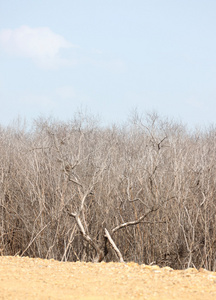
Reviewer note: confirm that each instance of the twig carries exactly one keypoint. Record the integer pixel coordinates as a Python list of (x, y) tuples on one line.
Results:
[(35, 238)]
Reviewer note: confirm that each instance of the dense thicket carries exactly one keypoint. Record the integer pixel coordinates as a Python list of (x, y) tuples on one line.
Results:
[(150, 172)]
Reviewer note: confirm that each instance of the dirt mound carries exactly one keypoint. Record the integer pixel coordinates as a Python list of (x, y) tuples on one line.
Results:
[(27, 278)]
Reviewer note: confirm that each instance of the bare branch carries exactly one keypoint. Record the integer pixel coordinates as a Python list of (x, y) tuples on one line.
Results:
[(30, 243), (100, 253), (74, 181), (117, 251), (159, 144), (135, 222)]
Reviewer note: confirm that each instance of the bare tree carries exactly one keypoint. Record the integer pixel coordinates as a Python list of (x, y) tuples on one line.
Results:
[(144, 191)]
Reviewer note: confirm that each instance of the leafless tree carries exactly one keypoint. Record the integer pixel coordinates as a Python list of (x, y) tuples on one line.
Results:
[(144, 191)]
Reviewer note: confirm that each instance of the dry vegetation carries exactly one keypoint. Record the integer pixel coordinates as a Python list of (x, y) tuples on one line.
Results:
[(142, 192)]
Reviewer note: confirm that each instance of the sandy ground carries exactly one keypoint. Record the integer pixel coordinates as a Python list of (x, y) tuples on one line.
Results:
[(27, 278)]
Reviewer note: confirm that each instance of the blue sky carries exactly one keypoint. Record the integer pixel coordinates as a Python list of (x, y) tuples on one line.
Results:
[(108, 57)]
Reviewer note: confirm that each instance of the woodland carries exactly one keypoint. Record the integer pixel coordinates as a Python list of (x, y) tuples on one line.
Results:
[(142, 191)]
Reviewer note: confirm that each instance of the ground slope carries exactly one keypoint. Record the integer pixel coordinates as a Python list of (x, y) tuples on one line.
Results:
[(26, 278)]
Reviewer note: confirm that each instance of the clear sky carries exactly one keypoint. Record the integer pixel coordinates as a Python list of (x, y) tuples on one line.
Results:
[(109, 57)]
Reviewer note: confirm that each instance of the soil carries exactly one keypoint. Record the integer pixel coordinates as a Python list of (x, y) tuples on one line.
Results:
[(34, 278)]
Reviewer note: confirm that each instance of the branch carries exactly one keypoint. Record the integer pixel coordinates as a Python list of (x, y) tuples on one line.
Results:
[(117, 251), (100, 253), (71, 180), (32, 241), (159, 144), (135, 222)]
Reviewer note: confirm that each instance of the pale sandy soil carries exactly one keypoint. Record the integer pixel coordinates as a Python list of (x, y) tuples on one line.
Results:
[(26, 278)]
